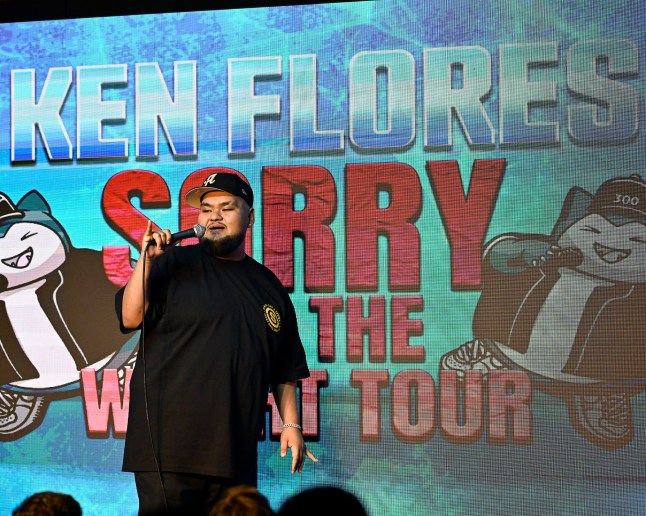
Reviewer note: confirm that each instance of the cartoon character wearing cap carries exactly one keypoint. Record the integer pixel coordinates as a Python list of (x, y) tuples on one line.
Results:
[(56, 314), (570, 309)]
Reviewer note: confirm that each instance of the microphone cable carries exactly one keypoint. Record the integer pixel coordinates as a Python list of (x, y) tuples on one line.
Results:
[(143, 363), (196, 231)]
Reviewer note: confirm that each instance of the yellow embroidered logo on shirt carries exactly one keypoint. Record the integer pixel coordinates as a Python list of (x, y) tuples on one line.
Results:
[(272, 317)]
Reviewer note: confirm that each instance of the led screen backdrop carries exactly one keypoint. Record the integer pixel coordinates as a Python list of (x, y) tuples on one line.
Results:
[(453, 193)]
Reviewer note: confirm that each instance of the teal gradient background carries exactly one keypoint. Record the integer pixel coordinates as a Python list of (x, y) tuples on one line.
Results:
[(558, 472)]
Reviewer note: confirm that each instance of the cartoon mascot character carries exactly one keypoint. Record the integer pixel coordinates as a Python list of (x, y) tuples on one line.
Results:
[(56, 315), (570, 309)]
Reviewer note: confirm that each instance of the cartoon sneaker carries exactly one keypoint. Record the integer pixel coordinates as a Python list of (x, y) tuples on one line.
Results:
[(605, 420), (19, 414), (473, 355), (130, 364)]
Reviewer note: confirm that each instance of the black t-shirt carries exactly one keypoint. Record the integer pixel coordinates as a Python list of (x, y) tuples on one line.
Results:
[(217, 333)]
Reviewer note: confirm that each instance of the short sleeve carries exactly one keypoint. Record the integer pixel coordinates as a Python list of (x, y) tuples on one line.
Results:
[(291, 362)]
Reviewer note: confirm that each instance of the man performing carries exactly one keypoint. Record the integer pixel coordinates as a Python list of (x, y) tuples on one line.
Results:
[(218, 330)]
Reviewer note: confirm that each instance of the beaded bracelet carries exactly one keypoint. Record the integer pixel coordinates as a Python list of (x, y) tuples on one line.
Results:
[(292, 425)]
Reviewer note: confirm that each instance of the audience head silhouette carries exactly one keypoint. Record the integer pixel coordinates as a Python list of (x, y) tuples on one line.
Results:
[(48, 503), (242, 500), (330, 500)]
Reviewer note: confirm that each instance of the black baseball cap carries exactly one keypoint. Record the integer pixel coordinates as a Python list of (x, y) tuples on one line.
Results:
[(621, 198), (7, 209), (220, 182)]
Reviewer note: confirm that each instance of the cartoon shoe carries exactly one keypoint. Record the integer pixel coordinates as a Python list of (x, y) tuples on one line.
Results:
[(19, 414), (605, 420), (130, 364), (473, 355)]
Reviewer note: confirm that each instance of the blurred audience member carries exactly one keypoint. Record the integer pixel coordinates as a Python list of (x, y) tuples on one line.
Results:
[(48, 503), (323, 500), (242, 500)]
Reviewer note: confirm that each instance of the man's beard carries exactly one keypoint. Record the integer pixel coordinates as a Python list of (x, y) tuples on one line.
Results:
[(226, 245)]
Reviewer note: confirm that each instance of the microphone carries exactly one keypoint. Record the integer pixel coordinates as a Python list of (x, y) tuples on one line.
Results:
[(196, 231), (570, 257)]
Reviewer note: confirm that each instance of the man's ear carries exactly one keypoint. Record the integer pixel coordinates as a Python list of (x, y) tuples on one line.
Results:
[(252, 217)]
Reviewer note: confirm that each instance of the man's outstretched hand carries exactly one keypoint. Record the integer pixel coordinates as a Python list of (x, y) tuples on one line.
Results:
[(291, 437)]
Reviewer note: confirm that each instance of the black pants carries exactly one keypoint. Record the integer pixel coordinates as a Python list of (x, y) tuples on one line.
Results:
[(180, 493)]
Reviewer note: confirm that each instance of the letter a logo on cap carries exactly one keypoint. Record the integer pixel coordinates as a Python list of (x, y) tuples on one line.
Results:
[(209, 180)]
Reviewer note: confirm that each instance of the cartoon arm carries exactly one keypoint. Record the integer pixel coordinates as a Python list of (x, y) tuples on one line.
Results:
[(513, 253)]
